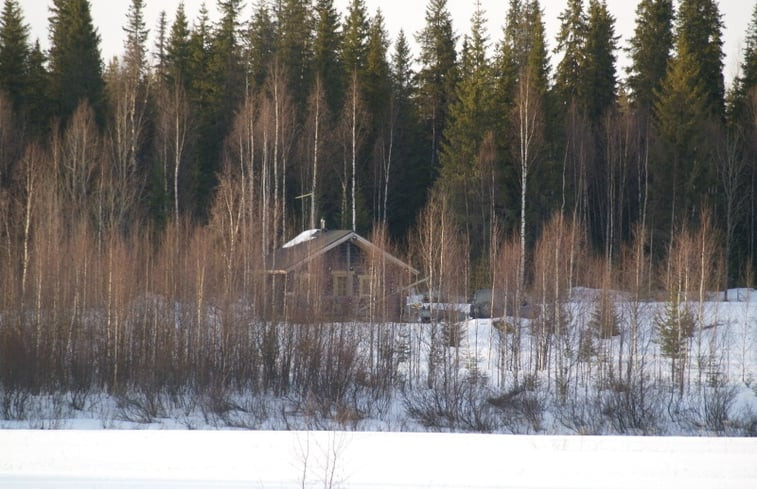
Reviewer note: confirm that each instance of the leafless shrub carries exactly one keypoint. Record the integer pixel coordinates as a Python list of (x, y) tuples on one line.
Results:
[(453, 405), (581, 414), (745, 423), (710, 410), (142, 406), (634, 408), (48, 411), (521, 410), (15, 404)]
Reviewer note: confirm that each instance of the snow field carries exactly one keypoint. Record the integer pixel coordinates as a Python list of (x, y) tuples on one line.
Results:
[(266, 459)]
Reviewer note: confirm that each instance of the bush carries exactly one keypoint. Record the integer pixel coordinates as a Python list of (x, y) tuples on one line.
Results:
[(634, 408), (521, 410), (461, 405)]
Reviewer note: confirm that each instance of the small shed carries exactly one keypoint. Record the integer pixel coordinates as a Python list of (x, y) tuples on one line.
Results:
[(337, 275)]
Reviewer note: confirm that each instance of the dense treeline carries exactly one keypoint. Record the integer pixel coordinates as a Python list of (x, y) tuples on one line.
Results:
[(313, 97), (139, 197)]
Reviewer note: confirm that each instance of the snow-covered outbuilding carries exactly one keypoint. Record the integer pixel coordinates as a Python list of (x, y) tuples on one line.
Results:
[(337, 275)]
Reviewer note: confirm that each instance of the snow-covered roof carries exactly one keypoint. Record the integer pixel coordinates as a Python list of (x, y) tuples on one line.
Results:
[(302, 238)]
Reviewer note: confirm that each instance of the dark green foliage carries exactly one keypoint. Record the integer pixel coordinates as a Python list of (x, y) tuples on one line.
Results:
[(14, 53), (651, 48), (471, 118), (293, 47), (674, 327), (605, 319), (76, 71), (682, 175), (326, 52), (407, 193), (437, 79), (135, 55), (571, 42), (355, 35), (452, 118), (261, 46), (599, 85), (37, 100), (744, 85), (160, 44), (178, 57), (699, 33)]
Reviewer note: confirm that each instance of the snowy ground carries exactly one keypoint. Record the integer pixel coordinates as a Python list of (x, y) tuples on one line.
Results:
[(264, 459)]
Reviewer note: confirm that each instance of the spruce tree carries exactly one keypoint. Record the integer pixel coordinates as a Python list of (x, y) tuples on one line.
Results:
[(437, 78), (598, 88), (294, 47), (326, 52), (14, 54), (571, 42), (699, 33), (680, 176), (135, 48), (744, 85), (407, 191), (748, 79), (355, 39), (471, 118), (261, 46), (651, 49), (76, 71), (177, 68), (160, 44), (37, 101), (377, 93)]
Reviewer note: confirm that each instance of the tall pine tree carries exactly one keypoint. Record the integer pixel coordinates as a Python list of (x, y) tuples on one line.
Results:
[(76, 71), (326, 52), (437, 79), (471, 118), (651, 49), (598, 88), (700, 33), (14, 54), (571, 42)]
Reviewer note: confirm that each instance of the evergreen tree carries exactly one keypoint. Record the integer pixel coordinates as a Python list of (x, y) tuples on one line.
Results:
[(748, 79), (217, 88), (76, 71), (135, 56), (294, 47), (14, 54), (743, 86), (355, 32), (160, 43), (38, 103), (326, 55), (679, 178), (202, 94), (178, 50), (511, 54), (261, 45), (598, 89), (437, 78), (651, 48), (377, 90), (471, 118), (571, 42), (377, 84), (407, 192), (699, 33)]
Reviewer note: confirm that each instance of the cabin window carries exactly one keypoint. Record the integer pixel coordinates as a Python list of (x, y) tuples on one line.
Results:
[(339, 280), (365, 285)]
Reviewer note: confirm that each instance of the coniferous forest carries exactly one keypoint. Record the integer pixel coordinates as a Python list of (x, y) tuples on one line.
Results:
[(140, 195)]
